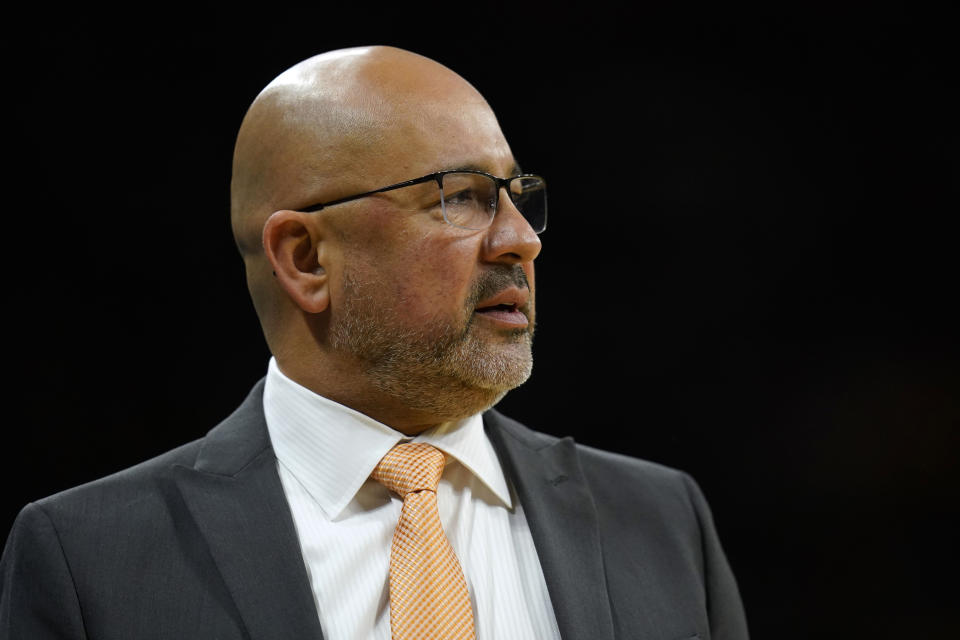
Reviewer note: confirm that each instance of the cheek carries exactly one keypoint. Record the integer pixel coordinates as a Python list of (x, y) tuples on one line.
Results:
[(433, 279), (418, 269)]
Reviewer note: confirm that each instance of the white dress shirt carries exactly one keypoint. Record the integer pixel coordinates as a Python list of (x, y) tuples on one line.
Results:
[(345, 521)]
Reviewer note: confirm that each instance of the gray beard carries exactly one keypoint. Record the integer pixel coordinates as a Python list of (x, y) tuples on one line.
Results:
[(444, 368)]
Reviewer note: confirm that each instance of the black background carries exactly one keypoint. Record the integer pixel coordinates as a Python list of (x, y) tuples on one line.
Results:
[(750, 271)]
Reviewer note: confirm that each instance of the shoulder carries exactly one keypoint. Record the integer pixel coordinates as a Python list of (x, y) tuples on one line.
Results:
[(590, 458), (81, 535), (147, 490), (614, 478), (118, 497)]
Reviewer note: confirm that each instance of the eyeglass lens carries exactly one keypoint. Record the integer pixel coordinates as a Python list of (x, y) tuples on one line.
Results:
[(470, 200)]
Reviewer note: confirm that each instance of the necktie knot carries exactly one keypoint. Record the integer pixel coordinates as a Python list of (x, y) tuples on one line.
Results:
[(409, 467)]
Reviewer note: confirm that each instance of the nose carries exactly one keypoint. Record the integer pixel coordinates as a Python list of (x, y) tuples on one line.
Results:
[(510, 238)]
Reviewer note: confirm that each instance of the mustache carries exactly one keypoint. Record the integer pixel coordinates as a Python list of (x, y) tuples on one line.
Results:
[(496, 280)]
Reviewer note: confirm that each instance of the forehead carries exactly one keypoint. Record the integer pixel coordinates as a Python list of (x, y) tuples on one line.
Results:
[(379, 118), (419, 137)]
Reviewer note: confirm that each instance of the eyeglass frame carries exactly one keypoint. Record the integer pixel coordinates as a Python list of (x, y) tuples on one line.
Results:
[(438, 176)]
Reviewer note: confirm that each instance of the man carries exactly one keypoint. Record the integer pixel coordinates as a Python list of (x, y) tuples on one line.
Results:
[(389, 240)]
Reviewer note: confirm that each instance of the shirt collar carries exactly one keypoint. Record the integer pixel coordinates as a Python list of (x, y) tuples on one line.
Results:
[(467, 442), (331, 449)]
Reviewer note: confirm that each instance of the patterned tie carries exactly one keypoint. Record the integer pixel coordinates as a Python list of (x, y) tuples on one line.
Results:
[(428, 593)]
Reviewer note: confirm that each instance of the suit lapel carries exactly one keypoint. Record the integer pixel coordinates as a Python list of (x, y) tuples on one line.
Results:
[(563, 522), (234, 494)]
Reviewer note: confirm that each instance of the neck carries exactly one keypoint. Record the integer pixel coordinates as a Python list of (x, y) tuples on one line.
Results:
[(343, 384)]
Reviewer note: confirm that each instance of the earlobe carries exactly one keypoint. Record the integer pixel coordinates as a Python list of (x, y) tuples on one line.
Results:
[(293, 246)]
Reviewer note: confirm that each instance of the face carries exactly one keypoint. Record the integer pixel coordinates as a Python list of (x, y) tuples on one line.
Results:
[(441, 318)]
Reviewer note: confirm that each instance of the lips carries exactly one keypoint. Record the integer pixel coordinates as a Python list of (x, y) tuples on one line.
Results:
[(508, 307)]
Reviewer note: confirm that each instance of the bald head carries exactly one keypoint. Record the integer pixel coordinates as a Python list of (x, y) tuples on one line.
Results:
[(371, 302), (321, 128)]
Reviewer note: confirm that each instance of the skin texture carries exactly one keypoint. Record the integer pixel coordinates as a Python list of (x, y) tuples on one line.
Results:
[(373, 303)]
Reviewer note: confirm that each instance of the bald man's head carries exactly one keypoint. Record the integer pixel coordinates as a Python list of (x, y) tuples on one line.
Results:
[(320, 127), (373, 301)]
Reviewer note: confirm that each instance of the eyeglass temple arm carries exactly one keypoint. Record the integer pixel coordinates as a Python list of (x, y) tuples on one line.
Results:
[(399, 185)]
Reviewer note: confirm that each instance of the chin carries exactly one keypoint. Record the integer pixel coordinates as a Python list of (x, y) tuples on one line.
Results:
[(496, 370), (462, 388)]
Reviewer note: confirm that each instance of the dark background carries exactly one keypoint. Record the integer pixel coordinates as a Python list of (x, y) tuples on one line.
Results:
[(750, 271)]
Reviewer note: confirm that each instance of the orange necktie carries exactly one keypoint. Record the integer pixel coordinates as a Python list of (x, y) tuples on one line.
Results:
[(428, 593)]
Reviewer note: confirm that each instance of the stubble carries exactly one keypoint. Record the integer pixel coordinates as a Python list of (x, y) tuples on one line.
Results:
[(449, 367)]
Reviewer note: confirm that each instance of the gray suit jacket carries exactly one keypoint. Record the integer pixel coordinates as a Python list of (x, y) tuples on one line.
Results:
[(200, 543)]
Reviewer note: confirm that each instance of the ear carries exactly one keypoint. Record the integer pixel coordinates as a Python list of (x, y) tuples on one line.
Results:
[(294, 247)]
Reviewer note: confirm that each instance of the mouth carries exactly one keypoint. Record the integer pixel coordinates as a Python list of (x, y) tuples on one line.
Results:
[(509, 308)]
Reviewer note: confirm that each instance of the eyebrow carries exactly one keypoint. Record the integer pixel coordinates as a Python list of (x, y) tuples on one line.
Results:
[(513, 172)]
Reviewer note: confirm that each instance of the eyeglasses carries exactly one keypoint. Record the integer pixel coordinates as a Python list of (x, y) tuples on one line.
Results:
[(469, 199)]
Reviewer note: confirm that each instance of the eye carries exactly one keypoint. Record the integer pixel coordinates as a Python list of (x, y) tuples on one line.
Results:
[(473, 194), (463, 197)]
